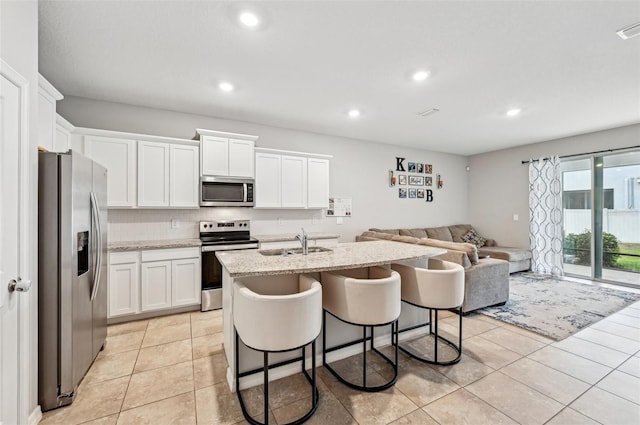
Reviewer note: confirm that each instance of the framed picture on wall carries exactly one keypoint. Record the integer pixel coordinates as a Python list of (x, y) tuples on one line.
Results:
[(428, 181), (402, 192), (428, 168), (412, 167), (416, 180), (413, 193), (420, 193), (402, 179), (420, 168)]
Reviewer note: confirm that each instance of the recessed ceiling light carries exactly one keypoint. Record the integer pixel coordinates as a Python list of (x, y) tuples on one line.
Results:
[(513, 112), (354, 113), (420, 75), (630, 31), (225, 86), (249, 19)]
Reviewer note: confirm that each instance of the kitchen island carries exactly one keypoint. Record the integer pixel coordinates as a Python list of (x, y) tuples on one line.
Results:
[(281, 271)]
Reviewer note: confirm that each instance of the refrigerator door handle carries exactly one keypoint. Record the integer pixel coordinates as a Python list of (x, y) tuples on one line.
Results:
[(95, 211)]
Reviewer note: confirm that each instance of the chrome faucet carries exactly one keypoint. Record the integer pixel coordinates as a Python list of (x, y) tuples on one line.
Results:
[(302, 237)]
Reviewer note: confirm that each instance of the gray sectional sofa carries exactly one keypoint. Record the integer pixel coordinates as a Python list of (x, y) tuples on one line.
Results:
[(486, 269)]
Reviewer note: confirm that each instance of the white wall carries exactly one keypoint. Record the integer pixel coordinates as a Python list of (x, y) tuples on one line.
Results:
[(19, 48), (358, 169), (499, 182)]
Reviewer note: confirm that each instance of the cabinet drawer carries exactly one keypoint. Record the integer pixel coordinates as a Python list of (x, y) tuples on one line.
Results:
[(170, 254), (123, 257)]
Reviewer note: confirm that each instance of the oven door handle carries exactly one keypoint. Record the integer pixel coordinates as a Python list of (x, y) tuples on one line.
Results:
[(212, 248)]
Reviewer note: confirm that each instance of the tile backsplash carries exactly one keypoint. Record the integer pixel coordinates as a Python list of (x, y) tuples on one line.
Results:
[(148, 224)]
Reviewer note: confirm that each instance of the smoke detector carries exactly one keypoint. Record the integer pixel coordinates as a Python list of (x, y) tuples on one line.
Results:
[(629, 32)]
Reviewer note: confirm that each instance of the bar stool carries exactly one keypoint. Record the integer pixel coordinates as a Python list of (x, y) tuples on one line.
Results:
[(439, 287), (367, 297), (277, 323)]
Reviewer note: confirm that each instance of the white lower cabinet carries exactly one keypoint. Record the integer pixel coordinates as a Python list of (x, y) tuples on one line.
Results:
[(158, 279), (156, 285), (185, 279), (124, 283)]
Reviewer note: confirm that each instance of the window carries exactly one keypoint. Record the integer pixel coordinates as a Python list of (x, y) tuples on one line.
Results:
[(581, 199)]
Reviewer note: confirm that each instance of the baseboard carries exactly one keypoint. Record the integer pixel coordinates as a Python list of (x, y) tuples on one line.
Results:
[(35, 416), (293, 368)]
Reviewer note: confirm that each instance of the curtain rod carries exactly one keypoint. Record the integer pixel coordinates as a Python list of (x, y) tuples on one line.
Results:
[(582, 154)]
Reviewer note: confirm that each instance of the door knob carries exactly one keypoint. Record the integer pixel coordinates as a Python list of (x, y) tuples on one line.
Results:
[(19, 285)]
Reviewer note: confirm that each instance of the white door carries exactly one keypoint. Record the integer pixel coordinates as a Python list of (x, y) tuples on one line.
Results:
[(153, 174), (215, 156), (155, 285), (241, 158), (124, 283), (318, 183), (294, 182), (268, 190), (12, 130), (185, 282), (118, 156), (184, 175)]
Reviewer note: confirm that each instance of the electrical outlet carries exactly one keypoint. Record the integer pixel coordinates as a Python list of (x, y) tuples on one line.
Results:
[(339, 220), (516, 217), (175, 223), (314, 221), (280, 220)]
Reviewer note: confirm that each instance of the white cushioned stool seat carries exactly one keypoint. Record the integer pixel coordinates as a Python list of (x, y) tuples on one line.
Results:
[(274, 323), (366, 297), (439, 287)]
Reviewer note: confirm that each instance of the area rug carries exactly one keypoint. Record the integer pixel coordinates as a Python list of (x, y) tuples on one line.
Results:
[(557, 307)]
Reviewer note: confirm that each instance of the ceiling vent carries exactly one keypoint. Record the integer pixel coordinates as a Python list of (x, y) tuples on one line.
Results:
[(428, 112), (630, 31)]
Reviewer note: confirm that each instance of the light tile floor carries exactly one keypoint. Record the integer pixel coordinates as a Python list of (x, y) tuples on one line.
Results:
[(171, 370)]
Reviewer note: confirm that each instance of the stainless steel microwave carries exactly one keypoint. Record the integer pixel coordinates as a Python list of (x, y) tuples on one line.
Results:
[(226, 192)]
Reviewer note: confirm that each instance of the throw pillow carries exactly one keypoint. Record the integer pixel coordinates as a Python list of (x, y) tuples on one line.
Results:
[(473, 237)]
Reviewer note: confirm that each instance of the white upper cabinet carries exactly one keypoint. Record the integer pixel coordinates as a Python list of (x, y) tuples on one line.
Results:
[(268, 189), (153, 174), (287, 179), (226, 154), (64, 138), (317, 183), (118, 156), (215, 156), (241, 154), (47, 98), (145, 171), (183, 176), (294, 182)]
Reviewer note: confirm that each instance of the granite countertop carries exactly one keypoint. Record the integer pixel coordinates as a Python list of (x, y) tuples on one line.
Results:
[(154, 244), (292, 237), (343, 256)]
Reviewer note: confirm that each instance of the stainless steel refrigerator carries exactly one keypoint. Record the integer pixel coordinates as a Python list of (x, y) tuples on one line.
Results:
[(72, 273)]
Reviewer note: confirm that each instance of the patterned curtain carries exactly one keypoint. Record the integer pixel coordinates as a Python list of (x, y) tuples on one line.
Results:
[(545, 216)]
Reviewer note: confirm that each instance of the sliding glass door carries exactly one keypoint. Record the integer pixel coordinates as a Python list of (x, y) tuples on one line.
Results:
[(601, 217)]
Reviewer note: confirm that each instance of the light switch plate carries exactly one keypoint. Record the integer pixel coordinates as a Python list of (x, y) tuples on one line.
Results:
[(516, 217), (175, 223)]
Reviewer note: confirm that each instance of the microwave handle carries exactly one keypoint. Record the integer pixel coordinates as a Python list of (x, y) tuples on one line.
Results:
[(246, 191)]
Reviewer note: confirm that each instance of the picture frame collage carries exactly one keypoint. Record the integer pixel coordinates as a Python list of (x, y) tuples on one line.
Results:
[(421, 179)]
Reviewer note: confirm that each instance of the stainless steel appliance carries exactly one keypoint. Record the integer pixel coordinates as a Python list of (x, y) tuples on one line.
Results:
[(72, 273), (226, 192), (220, 236)]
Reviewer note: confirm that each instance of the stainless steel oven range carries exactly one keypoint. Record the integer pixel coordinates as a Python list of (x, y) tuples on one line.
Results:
[(220, 236)]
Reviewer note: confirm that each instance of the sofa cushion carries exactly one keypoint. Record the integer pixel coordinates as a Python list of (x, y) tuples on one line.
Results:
[(416, 233), (390, 231), (473, 237), (506, 253), (405, 239), (440, 233), (458, 230), (466, 248), (378, 235)]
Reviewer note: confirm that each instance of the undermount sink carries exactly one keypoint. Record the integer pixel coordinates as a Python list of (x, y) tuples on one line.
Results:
[(291, 251)]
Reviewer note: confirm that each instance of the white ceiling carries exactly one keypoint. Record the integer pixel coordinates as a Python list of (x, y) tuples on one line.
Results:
[(561, 62)]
